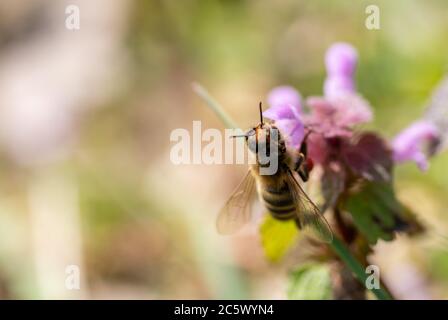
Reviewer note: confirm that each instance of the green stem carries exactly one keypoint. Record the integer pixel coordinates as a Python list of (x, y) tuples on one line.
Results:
[(214, 105), (342, 251), (357, 268)]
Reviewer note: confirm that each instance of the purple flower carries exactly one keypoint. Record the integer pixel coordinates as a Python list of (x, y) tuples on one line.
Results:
[(408, 145), (286, 96), (333, 115), (286, 109), (338, 85), (341, 59), (341, 107), (336, 116)]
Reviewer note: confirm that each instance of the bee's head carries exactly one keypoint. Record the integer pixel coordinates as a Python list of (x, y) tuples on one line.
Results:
[(263, 137)]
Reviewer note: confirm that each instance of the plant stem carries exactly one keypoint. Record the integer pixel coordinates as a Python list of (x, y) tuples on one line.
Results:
[(214, 105), (356, 267)]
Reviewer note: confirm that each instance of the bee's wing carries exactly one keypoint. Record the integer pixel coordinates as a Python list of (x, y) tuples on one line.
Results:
[(237, 210), (308, 214)]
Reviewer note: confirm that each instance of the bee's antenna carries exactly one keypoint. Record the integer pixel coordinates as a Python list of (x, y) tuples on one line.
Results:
[(261, 112), (310, 131)]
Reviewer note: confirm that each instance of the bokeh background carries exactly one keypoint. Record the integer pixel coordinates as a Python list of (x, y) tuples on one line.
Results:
[(85, 123)]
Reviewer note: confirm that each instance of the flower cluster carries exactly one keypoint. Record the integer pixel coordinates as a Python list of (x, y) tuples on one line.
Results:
[(333, 116), (356, 165)]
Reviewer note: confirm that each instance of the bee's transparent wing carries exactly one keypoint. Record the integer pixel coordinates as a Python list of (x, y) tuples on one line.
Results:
[(308, 214), (237, 210)]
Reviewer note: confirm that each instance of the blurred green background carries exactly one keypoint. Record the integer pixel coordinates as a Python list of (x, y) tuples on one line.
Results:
[(85, 173)]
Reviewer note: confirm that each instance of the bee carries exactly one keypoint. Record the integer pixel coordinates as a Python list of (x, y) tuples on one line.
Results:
[(280, 193)]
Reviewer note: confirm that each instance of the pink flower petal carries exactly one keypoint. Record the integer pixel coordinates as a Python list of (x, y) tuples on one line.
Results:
[(341, 59), (321, 108), (335, 85), (285, 96), (352, 109), (292, 131), (317, 148), (286, 111), (408, 145), (421, 161), (336, 116), (280, 112)]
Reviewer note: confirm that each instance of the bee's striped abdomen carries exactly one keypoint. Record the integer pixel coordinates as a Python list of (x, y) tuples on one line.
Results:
[(279, 202)]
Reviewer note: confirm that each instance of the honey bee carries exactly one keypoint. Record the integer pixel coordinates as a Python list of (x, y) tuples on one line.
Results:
[(280, 193)]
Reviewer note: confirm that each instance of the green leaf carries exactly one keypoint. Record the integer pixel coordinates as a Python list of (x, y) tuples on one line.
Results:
[(310, 282), (376, 211), (277, 237)]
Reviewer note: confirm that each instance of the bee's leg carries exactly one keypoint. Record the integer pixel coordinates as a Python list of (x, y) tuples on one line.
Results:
[(298, 223), (300, 160), (300, 167), (303, 173), (304, 149)]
